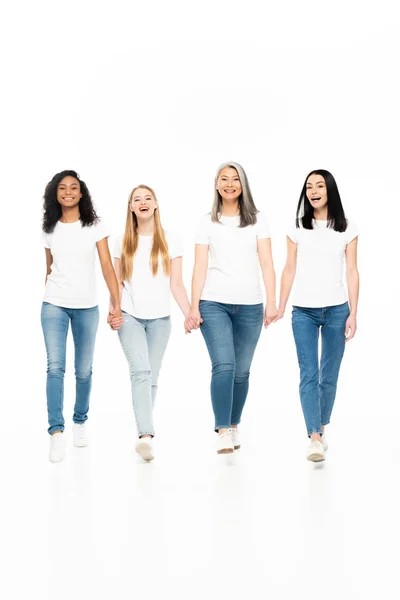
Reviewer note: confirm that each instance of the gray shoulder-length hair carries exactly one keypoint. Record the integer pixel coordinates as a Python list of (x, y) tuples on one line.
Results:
[(247, 208)]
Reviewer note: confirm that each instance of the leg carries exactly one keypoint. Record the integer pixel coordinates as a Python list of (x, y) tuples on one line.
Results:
[(247, 324), (333, 344), (158, 332), (84, 323), (132, 336), (55, 323), (305, 324), (217, 331)]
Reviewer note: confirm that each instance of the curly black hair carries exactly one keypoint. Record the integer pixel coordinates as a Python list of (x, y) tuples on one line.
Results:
[(52, 209)]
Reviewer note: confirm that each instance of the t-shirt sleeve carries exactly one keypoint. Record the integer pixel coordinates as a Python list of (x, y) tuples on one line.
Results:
[(101, 231), (262, 227), (292, 234), (175, 245), (352, 232), (203, 231), (45, 240), (117, 247)]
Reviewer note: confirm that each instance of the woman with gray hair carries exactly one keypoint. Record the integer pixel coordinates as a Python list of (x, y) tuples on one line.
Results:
[(227, 301)]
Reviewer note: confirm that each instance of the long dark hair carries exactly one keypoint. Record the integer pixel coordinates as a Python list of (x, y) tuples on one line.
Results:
[(52, 209), (305, 212)]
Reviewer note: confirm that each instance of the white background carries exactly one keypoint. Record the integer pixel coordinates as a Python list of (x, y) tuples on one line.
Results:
[(161, 94)]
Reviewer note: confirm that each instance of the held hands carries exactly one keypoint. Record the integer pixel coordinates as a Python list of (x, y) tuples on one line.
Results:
[(193, 320), (351, 328), (115, 318), (271, 314)]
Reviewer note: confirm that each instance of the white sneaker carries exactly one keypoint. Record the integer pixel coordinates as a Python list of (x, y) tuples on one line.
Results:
[(80, 435), (225, 442), (57, 448), (235, 438), (145, 448), (324, 442), (315, 452)]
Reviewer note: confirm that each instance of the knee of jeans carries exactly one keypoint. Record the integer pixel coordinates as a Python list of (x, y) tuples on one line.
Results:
[(242, 377), (83, 376), (55, 368), (140, 376), (309, 379), (218, 368)]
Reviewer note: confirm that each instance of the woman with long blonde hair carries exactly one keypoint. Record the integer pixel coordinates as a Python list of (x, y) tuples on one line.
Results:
[(148, 263)]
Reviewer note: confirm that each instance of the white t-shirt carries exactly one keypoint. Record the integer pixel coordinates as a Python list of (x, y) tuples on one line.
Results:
[(147, 296), (320, 260), (72, 281), (233, 272)]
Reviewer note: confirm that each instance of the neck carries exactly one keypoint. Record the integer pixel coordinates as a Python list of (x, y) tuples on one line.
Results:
[(146, 228), (230, 208), (70, 215), (321, 214)]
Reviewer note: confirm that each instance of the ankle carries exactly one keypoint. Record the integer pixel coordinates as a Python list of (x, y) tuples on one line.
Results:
[(222, 431)]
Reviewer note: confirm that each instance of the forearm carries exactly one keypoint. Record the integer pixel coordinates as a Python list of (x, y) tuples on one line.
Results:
[(113, 286), (198, 281), (353, 287), (286, 286), (181, 298), (270, 283)]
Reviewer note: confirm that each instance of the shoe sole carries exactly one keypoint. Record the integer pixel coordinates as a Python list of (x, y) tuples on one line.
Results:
[(57, 460), (225, 451), (144, 452), (316, 458), (81, 444), (236, 447)]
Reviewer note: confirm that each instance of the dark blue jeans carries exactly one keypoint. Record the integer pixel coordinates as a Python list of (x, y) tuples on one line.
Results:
[(231, 332), (318, 379), (55, 324)]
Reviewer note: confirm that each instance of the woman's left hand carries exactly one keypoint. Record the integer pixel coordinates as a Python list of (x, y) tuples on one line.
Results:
[(351, 328), (115, 319), (270, 314)]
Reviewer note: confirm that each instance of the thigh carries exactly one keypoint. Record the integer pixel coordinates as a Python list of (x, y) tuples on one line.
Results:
[(158, 332), (333, 333), (247, 324), (132, 335), (84, 323), (305, 326), (55, 323), (217, 331)]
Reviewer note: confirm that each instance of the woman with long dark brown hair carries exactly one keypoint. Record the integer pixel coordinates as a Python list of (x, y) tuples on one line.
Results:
[(148, 263)]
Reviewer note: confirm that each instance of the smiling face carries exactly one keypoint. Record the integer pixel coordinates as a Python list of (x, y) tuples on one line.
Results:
[(143, 204), (228, 184), (316, 191), (69, 192)]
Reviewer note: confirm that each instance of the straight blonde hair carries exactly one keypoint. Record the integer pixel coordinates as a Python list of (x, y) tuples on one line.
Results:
[(130, 241), (247, 208)]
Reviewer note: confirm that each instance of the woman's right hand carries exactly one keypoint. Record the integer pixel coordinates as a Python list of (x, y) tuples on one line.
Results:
[(281, 312), (115, 318), (193, 320)]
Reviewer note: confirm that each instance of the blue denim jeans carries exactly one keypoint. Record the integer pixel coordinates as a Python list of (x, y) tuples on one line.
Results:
[(231, 332), (144, 342), (318, 379), (55, 324)]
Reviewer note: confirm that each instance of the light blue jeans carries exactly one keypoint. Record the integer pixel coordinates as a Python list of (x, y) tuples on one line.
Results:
[(55, 324), (144, 342), (318, 379)]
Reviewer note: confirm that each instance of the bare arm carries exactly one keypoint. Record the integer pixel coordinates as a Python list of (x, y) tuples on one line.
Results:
[(109, 274), (264, 250), (199, 274), (353, 286), (287, 278), (178, 289), (49, 262)]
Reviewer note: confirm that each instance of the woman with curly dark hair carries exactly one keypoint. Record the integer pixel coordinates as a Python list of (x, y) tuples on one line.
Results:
[(71, 234)]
